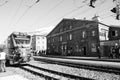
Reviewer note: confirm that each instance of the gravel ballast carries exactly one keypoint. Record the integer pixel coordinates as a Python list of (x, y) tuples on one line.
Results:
[(77, 71)]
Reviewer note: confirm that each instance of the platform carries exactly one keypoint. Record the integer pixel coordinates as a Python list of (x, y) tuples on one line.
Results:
[(13, 77)]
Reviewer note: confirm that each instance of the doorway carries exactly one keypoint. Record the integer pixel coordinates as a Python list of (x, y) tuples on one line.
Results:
[(84, 51)]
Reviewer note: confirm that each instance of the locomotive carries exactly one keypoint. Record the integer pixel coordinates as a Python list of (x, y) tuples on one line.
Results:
[(18, 48)]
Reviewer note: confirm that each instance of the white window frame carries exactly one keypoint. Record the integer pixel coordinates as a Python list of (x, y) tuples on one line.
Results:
[(70, 36), (83, 34)]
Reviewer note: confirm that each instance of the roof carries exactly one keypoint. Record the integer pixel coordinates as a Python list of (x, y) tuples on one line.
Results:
[(118, 26), (40, 35), (65, 19)]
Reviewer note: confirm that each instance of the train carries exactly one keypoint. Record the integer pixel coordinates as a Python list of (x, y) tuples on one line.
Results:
[(18, 48)]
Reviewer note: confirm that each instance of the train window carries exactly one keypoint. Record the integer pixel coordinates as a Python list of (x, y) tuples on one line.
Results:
[(22, 41)]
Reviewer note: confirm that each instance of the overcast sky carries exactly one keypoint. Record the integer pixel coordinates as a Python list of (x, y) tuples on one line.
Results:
[(30, 16)]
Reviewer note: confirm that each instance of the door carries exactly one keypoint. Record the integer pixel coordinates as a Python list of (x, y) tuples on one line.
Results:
[(84, 51)]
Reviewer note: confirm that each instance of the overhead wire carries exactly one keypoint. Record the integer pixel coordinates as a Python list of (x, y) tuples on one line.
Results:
[(13, 17), (107, 16), (99, 7), (65, 14), (105, 11), (3, 3), (18, 8), (58, 17), (69, 13), (86, 10), (98, 11), (29, 7), (54, 7)]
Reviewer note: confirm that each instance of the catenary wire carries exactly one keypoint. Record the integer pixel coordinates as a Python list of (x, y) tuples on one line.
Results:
[(64, 15), (29, 7), (3, 3), (49, 11), (13, 17)]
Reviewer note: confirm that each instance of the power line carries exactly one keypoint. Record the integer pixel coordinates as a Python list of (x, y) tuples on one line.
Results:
[(98, 6), (65, 14), (3, 3), (70, 13), (13, 17), (25, 12), (49, 11), (107, 16), (86, 10), (18, 8)]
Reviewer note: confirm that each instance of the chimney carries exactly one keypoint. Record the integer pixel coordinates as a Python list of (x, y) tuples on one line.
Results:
[(96, 18), (84, 18)]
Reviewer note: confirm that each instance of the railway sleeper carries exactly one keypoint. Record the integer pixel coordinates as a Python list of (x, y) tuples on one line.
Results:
[(53, 74)]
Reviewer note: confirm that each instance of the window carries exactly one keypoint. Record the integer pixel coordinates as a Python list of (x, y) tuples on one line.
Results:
[(38, 37), (93, 33), (53, 39), (42, 37), (48, 41), (60, 29), (64, 28), (70, 36), (60, 38), (115, 33), (70, 27), (93, 47), (38, 42), (83, 34)]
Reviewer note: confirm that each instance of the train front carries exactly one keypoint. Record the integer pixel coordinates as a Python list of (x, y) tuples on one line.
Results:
[(22, 50)]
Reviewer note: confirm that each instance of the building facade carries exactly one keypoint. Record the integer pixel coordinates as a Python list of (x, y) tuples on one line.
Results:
[(114, 39), (39, 43), (76, 37)]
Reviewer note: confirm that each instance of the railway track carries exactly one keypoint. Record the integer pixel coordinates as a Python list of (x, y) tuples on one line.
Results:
[(83, 66), (85, 58), (50, 74)]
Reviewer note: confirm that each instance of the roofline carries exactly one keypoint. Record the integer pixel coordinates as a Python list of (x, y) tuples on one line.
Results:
[(39, 35), (118, 26), (77, 20)]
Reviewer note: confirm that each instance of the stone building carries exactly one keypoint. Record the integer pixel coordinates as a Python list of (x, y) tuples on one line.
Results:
[(77, 37)]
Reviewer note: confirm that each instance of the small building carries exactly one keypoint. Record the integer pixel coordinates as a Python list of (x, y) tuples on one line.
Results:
[(77, 37), (114, 33), (39, 43), (114, 39)]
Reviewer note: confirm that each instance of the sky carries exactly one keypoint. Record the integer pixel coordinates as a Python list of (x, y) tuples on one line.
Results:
[(44, 15)]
